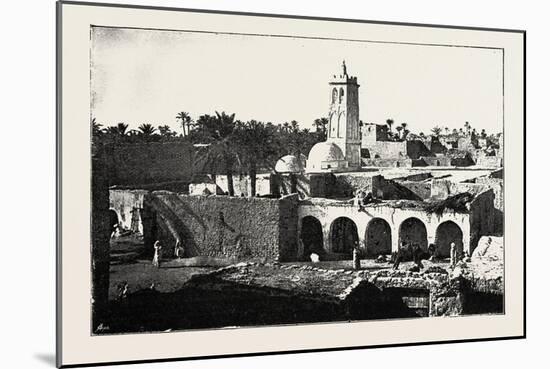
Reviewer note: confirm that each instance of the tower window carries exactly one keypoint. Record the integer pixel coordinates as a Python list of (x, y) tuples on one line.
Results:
[(334, 95), (341, 94)]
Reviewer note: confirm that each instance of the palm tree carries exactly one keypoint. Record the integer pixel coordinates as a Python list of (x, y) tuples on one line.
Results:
[(286, 127), (166, 132), (294, 126), (185, 121), (218, 134), (96, 128), (398, 129), (147, 130), (389, 122), (436, 131), (255, 145), (467, 127), (404, 126)]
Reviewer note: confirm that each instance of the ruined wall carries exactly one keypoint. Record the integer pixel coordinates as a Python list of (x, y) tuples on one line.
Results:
[(497, 185), (223, 226), (482, 219), (397, 163), (388, 150), (154, 162), (241, 184), (421, 189), (321, 184), (437, 161), (489, 161), (416, 149)]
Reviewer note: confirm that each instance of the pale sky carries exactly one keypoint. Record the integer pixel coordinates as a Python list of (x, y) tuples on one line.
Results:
[(148, 76)]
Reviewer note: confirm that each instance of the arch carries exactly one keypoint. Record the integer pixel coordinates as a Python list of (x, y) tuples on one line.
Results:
[(311, 234), (334, 95), (343, 236), (446, 233), (341, 95), (378, 237), (413, 230)]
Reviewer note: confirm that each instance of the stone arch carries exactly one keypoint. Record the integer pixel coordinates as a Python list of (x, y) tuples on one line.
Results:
[(342, 124), (343, 236), (412, 230), (334, 95), (378, 237), (311, 235), (446, 233)]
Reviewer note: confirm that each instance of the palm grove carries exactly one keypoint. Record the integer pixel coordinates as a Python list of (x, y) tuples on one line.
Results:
[(225, 145)]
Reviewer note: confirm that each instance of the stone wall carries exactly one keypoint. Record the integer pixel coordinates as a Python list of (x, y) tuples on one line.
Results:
[(136, 164), (241, 184), (388, 150), (221, 226), (422, 189), (489, 161), (437, 161), (397, 163), (482, 217)]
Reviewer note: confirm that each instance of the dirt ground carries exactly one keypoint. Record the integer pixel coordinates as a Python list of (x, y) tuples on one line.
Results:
[(128, 265)]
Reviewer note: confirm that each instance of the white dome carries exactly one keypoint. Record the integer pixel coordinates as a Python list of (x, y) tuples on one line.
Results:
[(325, 156), (325, 151), (290, 164)]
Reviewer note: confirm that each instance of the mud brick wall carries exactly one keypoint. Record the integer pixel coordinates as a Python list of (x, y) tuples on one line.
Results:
[(421, 189), (437, 161), (403, 163), (134, 164), (221, 226), (489, 161)]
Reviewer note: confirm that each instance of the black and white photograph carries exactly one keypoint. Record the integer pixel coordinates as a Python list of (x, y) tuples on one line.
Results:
[(246, 184), (252, 179)]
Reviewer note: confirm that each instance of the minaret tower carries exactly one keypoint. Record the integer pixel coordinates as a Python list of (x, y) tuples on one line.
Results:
[(343, 116)]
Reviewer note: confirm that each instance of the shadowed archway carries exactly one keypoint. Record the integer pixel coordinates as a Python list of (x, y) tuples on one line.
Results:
[(378, 238), (343, 236), (411, 231), (311, 235), (446, 233)]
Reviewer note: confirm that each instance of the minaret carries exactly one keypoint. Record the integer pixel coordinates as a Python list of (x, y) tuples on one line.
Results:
[(343, 116)]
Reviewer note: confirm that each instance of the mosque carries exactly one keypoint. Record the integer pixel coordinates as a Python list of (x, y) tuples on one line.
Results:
[(342, 149)]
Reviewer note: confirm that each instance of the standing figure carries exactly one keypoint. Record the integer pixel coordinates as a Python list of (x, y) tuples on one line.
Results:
[(400, 255), (417, 255), (157, 255), (453, 254), (432, 250), (178, 249), (356, 259)]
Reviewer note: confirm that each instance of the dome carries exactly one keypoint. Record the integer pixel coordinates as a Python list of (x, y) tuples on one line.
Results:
[(325, 151), (291, 164), (325, 156)]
